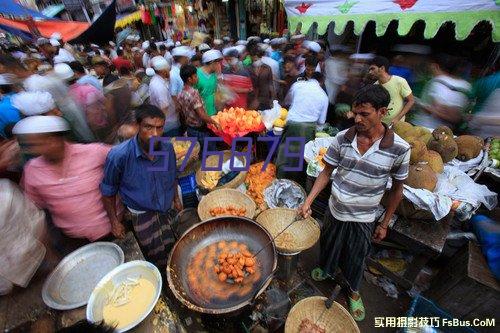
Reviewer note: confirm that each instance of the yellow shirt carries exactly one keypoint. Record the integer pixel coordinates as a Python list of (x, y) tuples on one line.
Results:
[(398, 89)]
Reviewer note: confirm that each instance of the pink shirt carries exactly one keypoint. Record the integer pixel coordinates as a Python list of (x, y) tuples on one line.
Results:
[(70, 191)]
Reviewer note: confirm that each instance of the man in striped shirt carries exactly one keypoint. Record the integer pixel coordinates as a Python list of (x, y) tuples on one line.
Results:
[(364, 157)]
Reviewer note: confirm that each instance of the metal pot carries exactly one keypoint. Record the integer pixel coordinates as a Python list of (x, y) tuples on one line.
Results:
[(201, 235)]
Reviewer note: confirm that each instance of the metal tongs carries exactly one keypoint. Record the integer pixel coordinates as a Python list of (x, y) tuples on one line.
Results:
[(342, 283), (297, 217)]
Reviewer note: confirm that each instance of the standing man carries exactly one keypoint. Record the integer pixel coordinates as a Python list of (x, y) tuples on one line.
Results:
[(160, 96), (401, 95), (148, 195), (65, 178), (365, 157), (207, 79), (121, 62), (102, 70), (181, 56), (9, 114)]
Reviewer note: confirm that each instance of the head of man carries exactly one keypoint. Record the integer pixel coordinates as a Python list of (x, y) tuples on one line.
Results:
[(11, 65), (46, 47), (42, 136), (196, 61), (150, 120), (161, 66), (212, 61), (6, 84), (189, 75), (311, 64), (444, 64), (369, 107), (100, 66), (35, 103), (256, 53), (379, 67), (77, 68), (232, 58), (289, 65), (181, 55)]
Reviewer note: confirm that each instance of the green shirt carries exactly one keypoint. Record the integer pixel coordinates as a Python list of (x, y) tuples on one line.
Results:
[(207, 86), (247, 62)]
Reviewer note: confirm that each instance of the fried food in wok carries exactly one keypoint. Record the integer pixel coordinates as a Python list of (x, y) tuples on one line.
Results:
[(229, 210)]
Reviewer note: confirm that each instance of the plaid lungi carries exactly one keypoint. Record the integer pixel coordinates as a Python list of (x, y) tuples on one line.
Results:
[(155, 236), (345, 245)]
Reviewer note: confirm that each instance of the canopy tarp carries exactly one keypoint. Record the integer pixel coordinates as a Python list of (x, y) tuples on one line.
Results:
[(127, 19), (68, 29), (465, 14), (102, 30), (53, 10), (10, 8)]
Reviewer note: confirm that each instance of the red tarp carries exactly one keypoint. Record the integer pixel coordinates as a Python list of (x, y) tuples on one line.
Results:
[(68, 29)]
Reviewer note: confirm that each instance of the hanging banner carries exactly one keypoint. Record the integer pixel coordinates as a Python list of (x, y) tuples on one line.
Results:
[(465, 14)]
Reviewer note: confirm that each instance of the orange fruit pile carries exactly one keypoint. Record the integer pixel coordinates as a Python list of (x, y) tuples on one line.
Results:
[(238, 120)]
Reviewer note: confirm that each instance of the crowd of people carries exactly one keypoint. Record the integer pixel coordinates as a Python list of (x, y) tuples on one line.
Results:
[(76, 123)]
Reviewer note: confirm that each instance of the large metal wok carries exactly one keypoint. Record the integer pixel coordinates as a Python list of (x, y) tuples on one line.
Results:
[(201, 235)]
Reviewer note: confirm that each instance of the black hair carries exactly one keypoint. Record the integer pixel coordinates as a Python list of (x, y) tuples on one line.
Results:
[(163, 47), (311, 61), (107, 52), (153, 47), (373, 94), (196, 58), (77, 67), (288, 47), (84, 326), (108, 79), (380, 61), (289, 59), (187, 71), (148, 111), (318, 77), (119, 52), (254, 49), (6, 88), (9, 61), (124, 71), (447, 63)]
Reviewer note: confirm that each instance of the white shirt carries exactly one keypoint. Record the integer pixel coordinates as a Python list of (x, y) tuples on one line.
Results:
[(176, 83), (168, 57), (145, 60), (309, 102), (275, 69), (64, 55), (159, 96)]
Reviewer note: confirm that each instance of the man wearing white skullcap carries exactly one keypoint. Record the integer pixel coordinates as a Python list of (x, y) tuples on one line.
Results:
[(8, 113), (35, 103), (241, 42), (161, 97), (181, 55), (312, 46), (64, 178), (207, 78), (203, 47)]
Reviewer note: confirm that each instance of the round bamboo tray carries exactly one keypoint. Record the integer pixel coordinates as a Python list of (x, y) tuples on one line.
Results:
[(333, 320), (223, 198), (192, 158), (212, 161), (300, 236)]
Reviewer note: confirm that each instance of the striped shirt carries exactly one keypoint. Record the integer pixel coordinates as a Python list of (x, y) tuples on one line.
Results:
[(360, 181)]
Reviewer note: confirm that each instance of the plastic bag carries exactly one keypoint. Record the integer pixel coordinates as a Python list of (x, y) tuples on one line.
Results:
[(224, 95), (269, 116)]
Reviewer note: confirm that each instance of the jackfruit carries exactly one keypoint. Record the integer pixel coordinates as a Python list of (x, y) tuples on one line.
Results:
[(445, 146), (469, 147), (434, 160), (283, 113), (421, 176), (421, 131), (426, 137), (442, 130), (279, 123), (418, 149), (402, 127)]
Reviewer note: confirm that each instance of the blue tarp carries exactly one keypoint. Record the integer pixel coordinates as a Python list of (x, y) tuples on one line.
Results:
[(17, 32), (11, 8)]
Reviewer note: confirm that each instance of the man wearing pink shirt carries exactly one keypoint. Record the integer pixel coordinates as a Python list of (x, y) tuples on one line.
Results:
[(65, 178)]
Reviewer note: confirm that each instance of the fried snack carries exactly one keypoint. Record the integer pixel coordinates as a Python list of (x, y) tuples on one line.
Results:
[(319, 157), (257, 180), (210, 179), (229, 210), (234, 264), (285, 240), (307, 326)]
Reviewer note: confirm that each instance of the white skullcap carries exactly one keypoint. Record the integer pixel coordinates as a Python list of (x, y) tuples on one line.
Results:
[(91, 54), (56, 35), (150, 71), (226, 39), (178, 43), (241, 42), (63, 71), (130, 37), (61, 58), (145, 45), (267, 40), (160, 64), (137, 38), (203, 47), (158, 44), (181, 51), (297, 36), (40, 124), (240, 48), (211, 55), (276, 41), (169, 44), (33, 103), (312, 46), (94, 45), (263, 46), (42, 41), (218, 41), (257, 38), (362, 56), (7, 79), (111, 43), (135, 48)]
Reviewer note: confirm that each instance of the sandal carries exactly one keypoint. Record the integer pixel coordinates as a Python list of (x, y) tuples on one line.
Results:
[(318, 275), (357, 308)]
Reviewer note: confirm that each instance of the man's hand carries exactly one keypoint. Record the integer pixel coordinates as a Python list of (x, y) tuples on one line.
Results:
[(305, 210), (380, 233), (117, 229)]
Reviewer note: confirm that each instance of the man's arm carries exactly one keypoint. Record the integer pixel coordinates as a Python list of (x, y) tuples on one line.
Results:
[(117, 228), (394, 197), (410, 100), (109, 189), (319, 185)]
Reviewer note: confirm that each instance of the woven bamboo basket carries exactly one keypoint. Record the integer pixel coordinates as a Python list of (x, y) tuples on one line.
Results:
[(192, 158), (333, 320), (223, 198), (212, 161), (300, 236)]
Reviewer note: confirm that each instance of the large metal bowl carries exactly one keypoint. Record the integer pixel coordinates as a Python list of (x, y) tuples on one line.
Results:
[(72, 281), (201, 235), (133, 269)]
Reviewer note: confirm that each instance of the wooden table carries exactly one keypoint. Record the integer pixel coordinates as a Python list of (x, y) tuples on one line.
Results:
[(23, 307), (424, 239)]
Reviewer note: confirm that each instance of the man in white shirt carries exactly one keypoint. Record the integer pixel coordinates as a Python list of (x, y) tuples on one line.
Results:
[(445, 97), (336, 70), (181, 55), (275, 68), (160, 96)]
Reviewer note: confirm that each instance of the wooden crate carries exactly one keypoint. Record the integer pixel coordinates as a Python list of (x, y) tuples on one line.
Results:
[(466, 287)]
